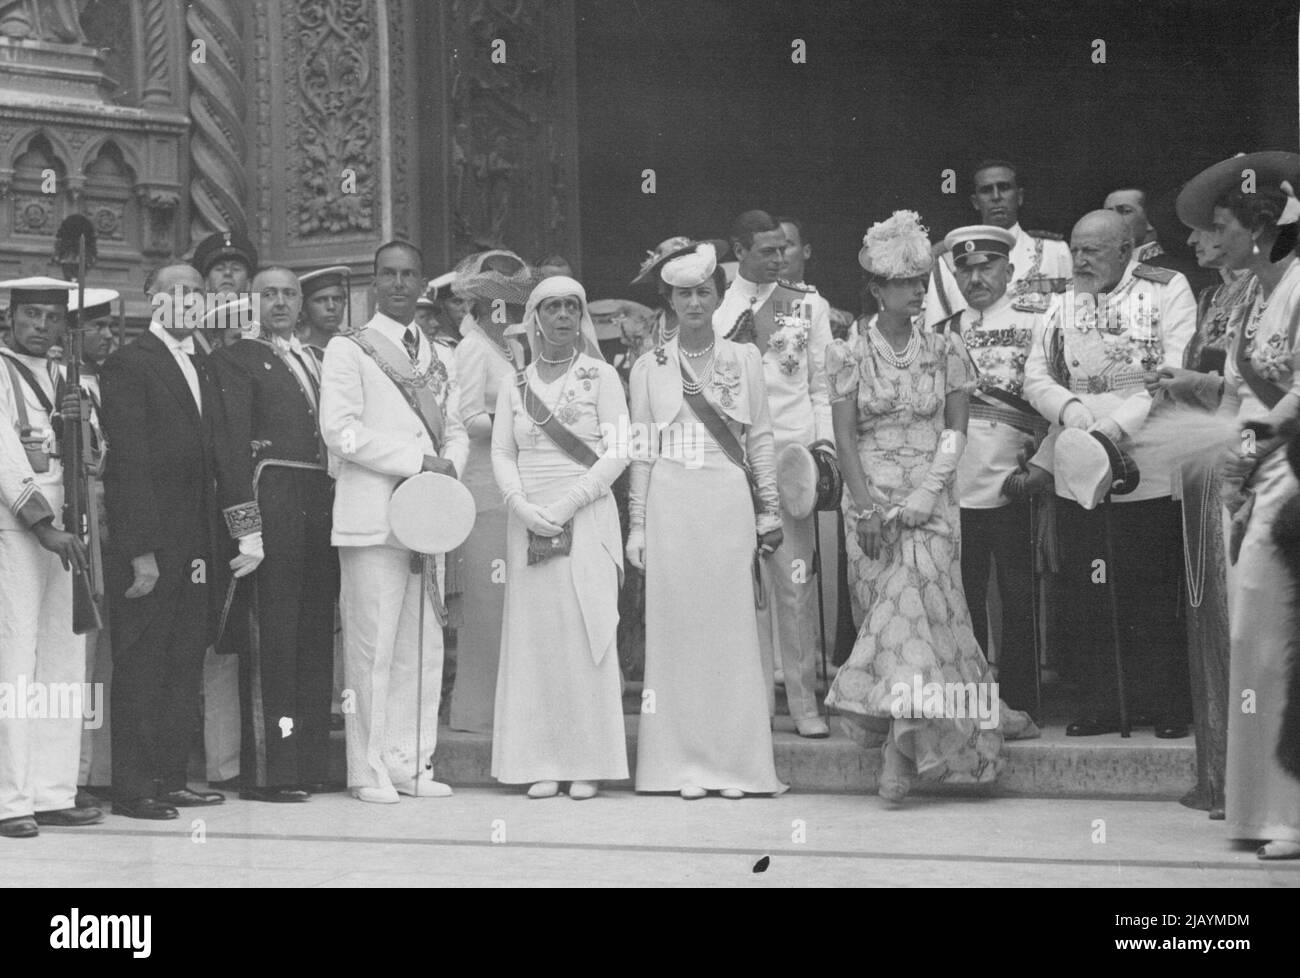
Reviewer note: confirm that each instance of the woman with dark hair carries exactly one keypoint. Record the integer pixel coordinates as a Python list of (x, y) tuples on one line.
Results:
[(496, 284), (899, 399), (1221, 313), (693, 532), (558, 444), (1261, 392)]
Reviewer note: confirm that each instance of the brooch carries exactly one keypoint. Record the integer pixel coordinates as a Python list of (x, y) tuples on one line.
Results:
[(661, 357)]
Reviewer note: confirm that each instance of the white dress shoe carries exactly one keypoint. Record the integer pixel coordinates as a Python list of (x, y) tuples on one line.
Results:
[(693, 791), (423, 787), (732, 793), (581, 790), (379, 796), (813, 727), (544, 789)]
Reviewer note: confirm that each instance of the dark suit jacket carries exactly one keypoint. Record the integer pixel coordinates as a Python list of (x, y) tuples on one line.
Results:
[(267, 414), (169, 474)]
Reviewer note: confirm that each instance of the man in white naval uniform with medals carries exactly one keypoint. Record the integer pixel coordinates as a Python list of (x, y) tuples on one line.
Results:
[(790, 325), (992, 481), (1118, 322), (1041, 259), (372, 383)]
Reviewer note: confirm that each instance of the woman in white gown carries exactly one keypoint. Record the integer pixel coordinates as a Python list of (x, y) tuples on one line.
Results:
[(694, 531), (486, 361), (1261, 388), (559, 704)]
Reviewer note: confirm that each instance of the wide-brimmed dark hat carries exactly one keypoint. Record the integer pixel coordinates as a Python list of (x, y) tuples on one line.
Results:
[(1195, 204)]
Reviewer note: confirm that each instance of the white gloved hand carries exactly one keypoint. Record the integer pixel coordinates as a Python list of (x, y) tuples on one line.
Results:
[(250, 555), (1077, 415), (1109, 428), (635, 549), (535, 519)]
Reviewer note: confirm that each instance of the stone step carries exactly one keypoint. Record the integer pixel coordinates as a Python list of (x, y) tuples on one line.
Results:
[(1052, 767)]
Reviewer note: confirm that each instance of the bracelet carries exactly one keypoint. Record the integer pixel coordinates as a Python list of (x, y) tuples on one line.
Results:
[(868, 511)]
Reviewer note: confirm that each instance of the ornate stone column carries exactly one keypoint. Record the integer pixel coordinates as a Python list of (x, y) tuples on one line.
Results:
[(218, 145)]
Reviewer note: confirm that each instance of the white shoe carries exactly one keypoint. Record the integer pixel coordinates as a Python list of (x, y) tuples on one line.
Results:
[(813, 727), (779, 677), (691, 792), (423, 787), (581, 790), (380, 796), (544, 789), (732, 793)]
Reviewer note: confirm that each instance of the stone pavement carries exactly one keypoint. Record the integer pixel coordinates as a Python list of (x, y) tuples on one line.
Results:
[(620, 839)]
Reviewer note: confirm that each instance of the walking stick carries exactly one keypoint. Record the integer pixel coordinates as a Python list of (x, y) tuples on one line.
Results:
[(1035, 597), (821, 610), (419, 675), (1125, 728)]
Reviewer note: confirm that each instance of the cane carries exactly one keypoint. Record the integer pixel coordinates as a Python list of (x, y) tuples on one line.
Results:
[(1035, 597), (419, 676), (821, 610), (1125, 729)]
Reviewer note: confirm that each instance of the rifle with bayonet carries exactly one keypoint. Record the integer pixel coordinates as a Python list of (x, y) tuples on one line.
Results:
[(74, 250)]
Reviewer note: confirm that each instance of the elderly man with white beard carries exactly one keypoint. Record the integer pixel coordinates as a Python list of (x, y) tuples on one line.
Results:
[(1119, 322)]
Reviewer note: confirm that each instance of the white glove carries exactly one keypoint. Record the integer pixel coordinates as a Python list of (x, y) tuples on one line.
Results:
[(1110, 428), (1077, 415), (535, 519), (635, 549), (250, 555)]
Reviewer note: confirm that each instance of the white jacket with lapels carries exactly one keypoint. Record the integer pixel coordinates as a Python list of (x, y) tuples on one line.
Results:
[(375, 438)]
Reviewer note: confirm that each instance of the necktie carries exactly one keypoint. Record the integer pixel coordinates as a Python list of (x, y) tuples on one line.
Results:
[(412, 344)]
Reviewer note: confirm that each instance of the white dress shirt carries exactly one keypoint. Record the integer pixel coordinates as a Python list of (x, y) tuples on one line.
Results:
[(182, 350)]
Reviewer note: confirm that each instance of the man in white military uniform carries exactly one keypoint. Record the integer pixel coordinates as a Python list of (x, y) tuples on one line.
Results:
[(1003, 429), (790, 324), (376, 439), (39, 653), (1041, 259), (1118, 322)]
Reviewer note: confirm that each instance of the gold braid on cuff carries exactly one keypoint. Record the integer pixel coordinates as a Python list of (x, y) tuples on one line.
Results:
[(243, 519)]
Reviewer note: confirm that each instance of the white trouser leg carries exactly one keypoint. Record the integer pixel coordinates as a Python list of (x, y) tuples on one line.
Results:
[(795, 591), (372, 592), (406, 679), (42, 666)]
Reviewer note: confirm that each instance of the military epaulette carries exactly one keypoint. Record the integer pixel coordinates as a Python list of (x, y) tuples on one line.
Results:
[(954, 320), (796, 286), (1046, 235), (1154, 273)]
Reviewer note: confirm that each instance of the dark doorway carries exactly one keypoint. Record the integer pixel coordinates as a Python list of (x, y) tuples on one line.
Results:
[(893, 93)]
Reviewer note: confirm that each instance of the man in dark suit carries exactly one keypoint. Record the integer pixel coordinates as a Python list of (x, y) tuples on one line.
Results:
[(169, 481), (270, 391)]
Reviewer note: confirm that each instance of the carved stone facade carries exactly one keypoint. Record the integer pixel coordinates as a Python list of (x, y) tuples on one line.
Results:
[(503, 139), (321, 127), (73, 139)]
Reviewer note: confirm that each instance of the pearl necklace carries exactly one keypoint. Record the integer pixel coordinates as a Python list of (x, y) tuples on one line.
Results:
[(569, 359), (896, 359), (550, 408), (697, 354), (693, 387)]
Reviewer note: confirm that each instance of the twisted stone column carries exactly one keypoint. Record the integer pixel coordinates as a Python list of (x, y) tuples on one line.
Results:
[(218, 186)]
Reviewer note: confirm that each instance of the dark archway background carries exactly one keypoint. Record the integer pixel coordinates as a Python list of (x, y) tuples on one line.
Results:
[(896, 91)]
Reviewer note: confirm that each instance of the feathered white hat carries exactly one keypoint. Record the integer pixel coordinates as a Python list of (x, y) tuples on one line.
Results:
[(897, 248)]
